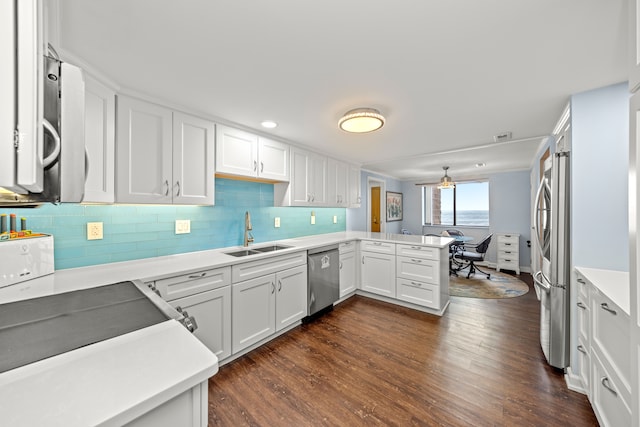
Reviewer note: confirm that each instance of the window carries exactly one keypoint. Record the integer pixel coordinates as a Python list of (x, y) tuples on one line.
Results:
[(466, 204)]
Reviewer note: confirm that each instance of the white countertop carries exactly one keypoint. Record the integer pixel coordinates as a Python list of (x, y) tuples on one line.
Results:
[(109, 383), (614, 284), (153, 268)]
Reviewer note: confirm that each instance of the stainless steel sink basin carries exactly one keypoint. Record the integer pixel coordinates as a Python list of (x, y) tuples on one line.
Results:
[(245, 252), (271, 248)]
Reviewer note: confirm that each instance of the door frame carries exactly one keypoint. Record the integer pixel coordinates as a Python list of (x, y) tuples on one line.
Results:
[(376, 182)]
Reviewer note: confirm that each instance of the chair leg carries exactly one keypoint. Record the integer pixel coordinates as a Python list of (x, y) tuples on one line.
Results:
[(473, 269)]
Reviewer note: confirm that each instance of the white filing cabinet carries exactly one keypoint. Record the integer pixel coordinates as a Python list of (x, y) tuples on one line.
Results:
[(508, 252)]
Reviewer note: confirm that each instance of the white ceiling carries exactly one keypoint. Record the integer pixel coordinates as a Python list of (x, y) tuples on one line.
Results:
[(447, 74)]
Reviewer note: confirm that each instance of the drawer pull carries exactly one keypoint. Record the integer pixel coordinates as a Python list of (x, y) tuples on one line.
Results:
[(417, 248), (581, 349), (581, 305), (197, 276), (607, 385), (377, 243), (605, 307), (580, 281), (507, 252), (416, 283), (415, 260), (507, 235), (507, 244), (507, 260)]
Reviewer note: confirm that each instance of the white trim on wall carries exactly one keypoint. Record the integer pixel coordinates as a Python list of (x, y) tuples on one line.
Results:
[(375, 182)]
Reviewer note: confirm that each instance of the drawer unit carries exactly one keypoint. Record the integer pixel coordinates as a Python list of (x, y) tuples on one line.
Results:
[(609, 404), (192, 283), (378, 247), (425, 294), (610, 336), (414, 251), (508, 252), (346, 247), (583, 315), (422, 270), (264, 266)]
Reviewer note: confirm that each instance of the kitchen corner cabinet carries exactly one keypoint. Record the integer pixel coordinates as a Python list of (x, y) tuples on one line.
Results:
[(378, 267), (348, 272), (355, 192), (99, 130), (244, 154), (338, 183), (162, 157), (308, 183), (188, 409)]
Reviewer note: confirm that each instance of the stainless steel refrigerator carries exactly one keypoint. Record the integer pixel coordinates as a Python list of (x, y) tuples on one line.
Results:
[(552, 229)]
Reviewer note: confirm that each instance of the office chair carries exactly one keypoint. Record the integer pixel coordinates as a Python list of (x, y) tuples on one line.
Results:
[(471, 258), (453, 232)]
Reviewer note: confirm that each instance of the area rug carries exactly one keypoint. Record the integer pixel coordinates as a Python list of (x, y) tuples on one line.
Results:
[(500, 285)]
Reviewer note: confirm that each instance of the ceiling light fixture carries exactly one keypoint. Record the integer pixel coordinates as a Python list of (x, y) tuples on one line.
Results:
[(269, 124), (445, 181), (361, 120)]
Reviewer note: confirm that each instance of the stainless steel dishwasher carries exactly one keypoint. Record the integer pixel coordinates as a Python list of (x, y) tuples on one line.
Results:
[(324, 278)]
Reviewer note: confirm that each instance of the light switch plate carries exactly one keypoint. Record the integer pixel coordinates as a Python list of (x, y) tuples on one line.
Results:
[(335, 219), (94, 231), (183, 226), (276, 222), (313, 218)]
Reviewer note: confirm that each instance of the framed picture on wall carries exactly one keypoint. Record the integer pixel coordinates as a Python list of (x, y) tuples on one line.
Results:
[(394, 206)]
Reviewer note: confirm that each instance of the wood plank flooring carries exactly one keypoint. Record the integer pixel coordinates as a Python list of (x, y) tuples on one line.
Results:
[(373, 363)]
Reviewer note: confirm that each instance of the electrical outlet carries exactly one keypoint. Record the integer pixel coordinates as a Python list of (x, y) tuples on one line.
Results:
[(313, 218), (276, 222), (183, 226), (335, 219), (94, 231)]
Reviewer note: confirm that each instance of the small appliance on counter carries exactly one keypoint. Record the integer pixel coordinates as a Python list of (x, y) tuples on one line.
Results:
[(25, 258)]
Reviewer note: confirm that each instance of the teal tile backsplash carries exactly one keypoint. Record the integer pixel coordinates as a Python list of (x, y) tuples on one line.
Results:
[(144, 231)]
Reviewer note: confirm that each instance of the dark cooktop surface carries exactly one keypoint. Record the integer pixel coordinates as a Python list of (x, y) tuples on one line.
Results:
[(39, 328)]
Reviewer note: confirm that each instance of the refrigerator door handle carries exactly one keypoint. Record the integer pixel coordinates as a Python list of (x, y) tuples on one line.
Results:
[(539, 280), (542, 246)]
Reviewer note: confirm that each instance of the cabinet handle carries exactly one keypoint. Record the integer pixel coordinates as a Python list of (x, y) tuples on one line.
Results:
[(417, 248), (178, 185), (340, 265), (261, 167), (581, 305), (166, 184), (197, 276), (416, 260), (273, 287), (507, 235), (607, 385), (313, 197), (255, 165), (279, 285), (416, 283), (605, 307), (580, 281), (581, 349), (377, 243), (363, 259)]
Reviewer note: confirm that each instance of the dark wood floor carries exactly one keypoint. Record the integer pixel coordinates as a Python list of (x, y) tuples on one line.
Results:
[(372, 363)]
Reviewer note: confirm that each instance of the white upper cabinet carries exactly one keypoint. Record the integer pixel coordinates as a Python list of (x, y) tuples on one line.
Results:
[(245, 154), (338, 185), (99, 131), (355, 193), (308, 184), (149, 169)]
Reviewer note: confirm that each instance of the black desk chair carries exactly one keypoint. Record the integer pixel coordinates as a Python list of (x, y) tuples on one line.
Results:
[(469, 259)]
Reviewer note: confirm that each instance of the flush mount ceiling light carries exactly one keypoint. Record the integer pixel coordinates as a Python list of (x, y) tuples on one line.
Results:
[(361, 120), (269, 124), (445, 181)]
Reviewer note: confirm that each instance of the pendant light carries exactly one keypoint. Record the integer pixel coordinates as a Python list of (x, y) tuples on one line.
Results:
[(445, 181), (361, 120)]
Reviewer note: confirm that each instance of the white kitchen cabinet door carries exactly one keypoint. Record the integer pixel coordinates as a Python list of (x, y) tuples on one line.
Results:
[(291, 296), (318, 181), (143, 152), (300, 186), (355, 193), (212, 311), (99, 137), (308, 183), (337, 189), (193, 160), (188, 409), (253, 311), (378, 273), (236, 152), (8, 80), (348, 273), (273, 159)]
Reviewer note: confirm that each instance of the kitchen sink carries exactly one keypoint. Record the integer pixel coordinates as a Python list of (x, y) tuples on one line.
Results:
[(271, 248), (245, 252)]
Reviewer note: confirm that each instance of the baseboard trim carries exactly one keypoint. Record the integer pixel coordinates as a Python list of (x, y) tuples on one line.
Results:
[(574, 382)]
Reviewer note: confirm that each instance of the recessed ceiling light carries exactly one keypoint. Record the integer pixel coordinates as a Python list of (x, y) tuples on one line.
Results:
[(269, 124), (480, 165)]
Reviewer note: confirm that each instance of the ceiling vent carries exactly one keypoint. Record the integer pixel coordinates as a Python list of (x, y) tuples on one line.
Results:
[(502, 137)]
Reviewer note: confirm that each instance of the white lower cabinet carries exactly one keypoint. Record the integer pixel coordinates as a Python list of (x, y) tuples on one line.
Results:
[(609, 405), (348, 271), (188, 409), (378, 273), (267, 304), (419, 293)]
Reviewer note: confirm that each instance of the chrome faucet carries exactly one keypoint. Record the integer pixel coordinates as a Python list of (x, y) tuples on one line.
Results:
[(248, 237)]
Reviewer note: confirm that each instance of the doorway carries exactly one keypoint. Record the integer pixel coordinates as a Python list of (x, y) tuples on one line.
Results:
[(375, 206)]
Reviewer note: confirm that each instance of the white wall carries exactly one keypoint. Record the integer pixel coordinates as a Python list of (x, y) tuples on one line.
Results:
[(357, 217), (600, 167)]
